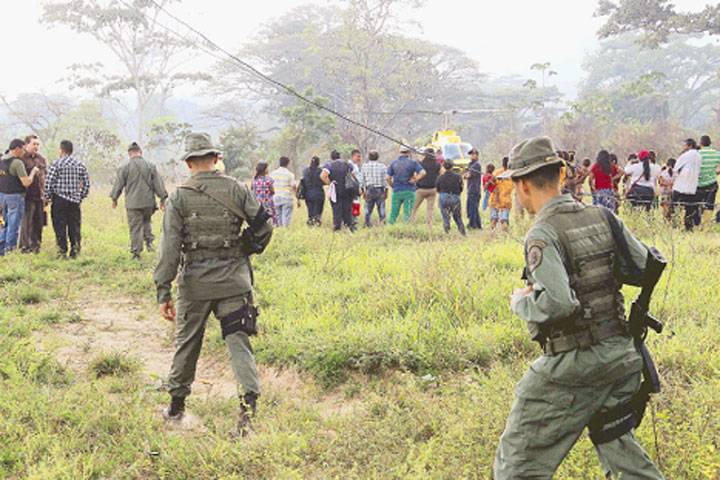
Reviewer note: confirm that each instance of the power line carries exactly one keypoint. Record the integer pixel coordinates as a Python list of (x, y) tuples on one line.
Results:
[(261, 75)]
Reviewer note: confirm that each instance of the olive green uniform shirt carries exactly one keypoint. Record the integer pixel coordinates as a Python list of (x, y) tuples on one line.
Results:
[(141, 182), (552, 299), (208, 279)]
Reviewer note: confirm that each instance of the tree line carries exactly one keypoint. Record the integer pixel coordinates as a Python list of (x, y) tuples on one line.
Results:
[(654, 77)]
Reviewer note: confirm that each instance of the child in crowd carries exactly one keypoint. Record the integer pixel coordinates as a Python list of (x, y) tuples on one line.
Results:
[(666, 179), (488, 183)]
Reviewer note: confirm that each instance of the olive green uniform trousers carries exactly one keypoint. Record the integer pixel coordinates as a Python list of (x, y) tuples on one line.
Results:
[(547, 419), (192, 317), (140, 224)]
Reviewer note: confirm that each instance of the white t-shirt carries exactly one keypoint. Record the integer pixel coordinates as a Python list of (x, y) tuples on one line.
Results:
[(638, 174), (688, 168)]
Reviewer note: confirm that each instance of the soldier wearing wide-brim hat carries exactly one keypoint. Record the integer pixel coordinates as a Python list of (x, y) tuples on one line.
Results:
[(142, 183), (573, 307), (531, 155), (203, 230)]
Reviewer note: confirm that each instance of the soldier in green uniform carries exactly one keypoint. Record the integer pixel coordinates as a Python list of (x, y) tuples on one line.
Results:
[(203, 235), (573, 307), (142, 183)]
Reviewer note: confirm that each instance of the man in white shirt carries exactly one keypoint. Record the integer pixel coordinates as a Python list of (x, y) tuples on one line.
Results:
[(685, 186)]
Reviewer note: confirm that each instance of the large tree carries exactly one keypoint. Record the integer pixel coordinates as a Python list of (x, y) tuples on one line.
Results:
[(362, 62), (657, 21), (38, 113), (150, 56), (682, 78)]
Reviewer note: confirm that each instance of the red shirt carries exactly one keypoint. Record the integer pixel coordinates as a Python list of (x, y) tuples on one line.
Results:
[(485, 179), (602, 179)]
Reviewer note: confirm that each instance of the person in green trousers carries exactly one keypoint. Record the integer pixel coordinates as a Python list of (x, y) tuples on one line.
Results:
[(142, 183), (402, 176)]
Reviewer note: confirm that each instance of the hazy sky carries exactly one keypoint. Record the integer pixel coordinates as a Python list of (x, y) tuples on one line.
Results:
[(504, 37)]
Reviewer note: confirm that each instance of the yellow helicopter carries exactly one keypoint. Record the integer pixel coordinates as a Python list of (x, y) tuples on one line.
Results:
[(451, 146)]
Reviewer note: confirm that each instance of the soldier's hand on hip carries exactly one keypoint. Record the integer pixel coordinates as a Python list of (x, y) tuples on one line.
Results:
[(168, 310)]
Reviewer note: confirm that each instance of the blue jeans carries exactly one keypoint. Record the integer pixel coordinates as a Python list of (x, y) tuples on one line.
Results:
[(473, 203), (450, 206), (284, 209), (13, 205), (375, 196)]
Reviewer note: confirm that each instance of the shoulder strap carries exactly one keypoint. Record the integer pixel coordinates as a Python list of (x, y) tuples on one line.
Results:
[(199, 187), (621, 243)]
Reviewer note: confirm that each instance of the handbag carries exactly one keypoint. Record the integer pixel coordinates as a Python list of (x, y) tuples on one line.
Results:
[(300, 192), (352, 184)]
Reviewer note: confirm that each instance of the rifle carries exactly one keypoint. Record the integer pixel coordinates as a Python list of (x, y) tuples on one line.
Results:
[(639, 321)]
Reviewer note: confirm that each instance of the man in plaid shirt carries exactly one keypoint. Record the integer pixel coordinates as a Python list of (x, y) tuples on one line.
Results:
[(66, 185), (373, 184)]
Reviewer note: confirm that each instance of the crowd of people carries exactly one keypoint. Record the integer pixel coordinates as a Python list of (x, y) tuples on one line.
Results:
[(688, 182), (28, 187), (24, 197), (410, 183)]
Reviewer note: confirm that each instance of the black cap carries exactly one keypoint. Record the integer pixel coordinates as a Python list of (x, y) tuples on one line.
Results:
[(134, 147), (15, 143), (474, 150)]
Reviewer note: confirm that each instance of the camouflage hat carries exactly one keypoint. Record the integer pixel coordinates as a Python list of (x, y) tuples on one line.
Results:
[(530, 155), (134, 147), (198, 145)]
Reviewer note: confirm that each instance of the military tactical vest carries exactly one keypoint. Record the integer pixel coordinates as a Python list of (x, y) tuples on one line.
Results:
[(588, 254), (209, 229), (9, 184)]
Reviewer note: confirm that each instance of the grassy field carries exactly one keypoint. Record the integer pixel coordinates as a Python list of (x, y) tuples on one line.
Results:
[(408, 334)]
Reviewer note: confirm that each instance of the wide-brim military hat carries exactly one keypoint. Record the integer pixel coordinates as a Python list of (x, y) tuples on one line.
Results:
[(530, 155), (198, 145)]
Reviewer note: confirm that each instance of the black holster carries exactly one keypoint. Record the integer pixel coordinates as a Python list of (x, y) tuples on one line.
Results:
[(242, 320)]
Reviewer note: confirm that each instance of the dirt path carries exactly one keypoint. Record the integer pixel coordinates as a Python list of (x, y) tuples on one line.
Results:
[(123, 325)]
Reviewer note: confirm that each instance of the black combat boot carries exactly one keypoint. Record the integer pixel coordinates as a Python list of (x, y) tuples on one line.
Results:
[(248, 405), (176, 410), (149, 246)]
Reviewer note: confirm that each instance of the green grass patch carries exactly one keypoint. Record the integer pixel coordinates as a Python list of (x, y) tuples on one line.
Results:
[(117, 364), (407, 335)]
